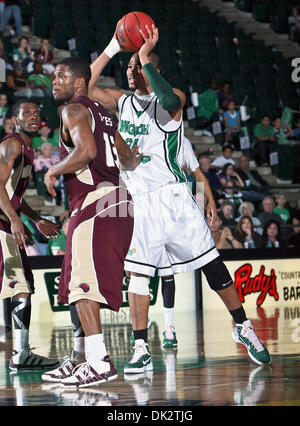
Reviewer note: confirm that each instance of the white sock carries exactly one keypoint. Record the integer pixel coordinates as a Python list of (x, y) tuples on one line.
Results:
[(95, 347), (20, 338), (169, 316)]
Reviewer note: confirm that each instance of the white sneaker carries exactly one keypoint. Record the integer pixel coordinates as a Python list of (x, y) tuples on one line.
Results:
[(27, 360), (141, 360), (91, 373), (63, 371)]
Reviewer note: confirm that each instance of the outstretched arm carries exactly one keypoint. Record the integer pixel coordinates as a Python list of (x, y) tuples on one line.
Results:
[(211, 205)]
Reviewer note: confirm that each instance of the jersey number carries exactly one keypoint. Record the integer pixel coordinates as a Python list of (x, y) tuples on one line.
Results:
[(110, 151)]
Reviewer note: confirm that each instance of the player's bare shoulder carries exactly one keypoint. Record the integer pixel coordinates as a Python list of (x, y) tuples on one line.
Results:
[(10, 149), (74, 111)]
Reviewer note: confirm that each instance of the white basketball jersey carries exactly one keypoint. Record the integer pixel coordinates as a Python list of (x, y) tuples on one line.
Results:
[(143, 122)]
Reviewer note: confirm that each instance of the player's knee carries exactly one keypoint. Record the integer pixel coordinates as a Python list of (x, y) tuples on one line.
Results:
[(139, 285), (217, 275)]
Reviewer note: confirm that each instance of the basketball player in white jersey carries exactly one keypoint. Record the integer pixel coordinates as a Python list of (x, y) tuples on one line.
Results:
[(170, 232)]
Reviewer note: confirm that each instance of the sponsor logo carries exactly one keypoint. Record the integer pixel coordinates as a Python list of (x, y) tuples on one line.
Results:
[(262, 283), (85, 287), (12, 284)]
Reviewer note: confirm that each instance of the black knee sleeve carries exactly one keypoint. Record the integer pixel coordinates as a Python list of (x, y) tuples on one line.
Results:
[(217, 275)]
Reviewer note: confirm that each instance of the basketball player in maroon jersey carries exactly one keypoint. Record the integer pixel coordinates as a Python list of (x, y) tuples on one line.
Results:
[(101, 226), (16, 279)]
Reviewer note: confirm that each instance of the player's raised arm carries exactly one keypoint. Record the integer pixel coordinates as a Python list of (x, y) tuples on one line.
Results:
[(107, 97), (10, 149), (75, 118), (172, 100)]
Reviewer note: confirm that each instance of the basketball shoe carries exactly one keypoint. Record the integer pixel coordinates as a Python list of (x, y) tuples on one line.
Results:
[(27, 360), (90, 373), (244, 334), (64, 370), (169, 337), (141, 360)]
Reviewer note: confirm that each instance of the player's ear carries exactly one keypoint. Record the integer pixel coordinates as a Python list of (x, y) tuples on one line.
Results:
[(80, 83), (15, 120)]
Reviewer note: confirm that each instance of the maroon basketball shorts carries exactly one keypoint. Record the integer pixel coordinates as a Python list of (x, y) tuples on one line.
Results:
[(97, 242), (15, 273)]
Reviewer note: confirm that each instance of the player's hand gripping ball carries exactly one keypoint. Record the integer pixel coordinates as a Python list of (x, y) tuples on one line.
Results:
[(128, 30)]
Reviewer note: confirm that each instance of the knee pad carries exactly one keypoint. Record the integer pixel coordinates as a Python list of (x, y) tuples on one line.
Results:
[(217, 275), (139, 285)]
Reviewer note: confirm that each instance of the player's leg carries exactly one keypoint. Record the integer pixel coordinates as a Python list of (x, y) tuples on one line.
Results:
[(168, 296), (139, 300), (219, 280)]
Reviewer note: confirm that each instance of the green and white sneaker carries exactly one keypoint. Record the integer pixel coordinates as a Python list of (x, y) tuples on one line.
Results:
[(141, 360), (244, 334), (169, 337)]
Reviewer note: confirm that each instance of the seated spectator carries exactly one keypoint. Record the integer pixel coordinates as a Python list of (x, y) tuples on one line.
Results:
[(208, 104), (39, 81), (247, 209), (226, 214), (245, 234), (43, 161), (3, 109), (22, 54), (227, 152), (229, 194), (280, 208), (12, 9), (232, 121), (282, 131), (272, 235), (223, 238), (264, 141), (43, 137), (230, 174), (251, 177), (294, 25), (58, 246), (294, 238), (225, 96), (46, 55), (209, 172), (8, 127), (268, 213), (17, 83)]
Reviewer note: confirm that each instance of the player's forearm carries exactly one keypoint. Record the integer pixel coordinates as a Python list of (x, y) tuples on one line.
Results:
[(97, 67), (5, 204), (76, 161), (202, 184), (27, 211)]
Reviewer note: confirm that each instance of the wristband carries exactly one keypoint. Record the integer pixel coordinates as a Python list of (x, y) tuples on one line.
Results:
[(112, 48)]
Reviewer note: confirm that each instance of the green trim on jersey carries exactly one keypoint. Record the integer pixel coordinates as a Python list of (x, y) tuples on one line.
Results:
[(172, 145)]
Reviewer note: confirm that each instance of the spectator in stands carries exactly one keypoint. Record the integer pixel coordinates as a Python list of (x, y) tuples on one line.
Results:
[(282, 131), (294, 238), (268, 213), (251, 177), (209, 172), (225, 96), (245, 234), (46, 55), (17, 83), (209, 103), (46, 158), (8, 127), (3, 109), (39, 81), (12, 9), (264, 141), (247, 209), (58, 246), (280, 208), (294, 25), (43, 137), (22, 53), (226, 214), (227, 152), (272, 234), (230, 174), (232, 121), (229, 194), (223, 238)]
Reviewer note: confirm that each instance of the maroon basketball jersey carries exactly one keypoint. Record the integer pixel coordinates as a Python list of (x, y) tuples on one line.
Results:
[(104, 168), (18, 180)]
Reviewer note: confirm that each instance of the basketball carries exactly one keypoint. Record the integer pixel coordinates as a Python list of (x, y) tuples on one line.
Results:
[(128, 30)]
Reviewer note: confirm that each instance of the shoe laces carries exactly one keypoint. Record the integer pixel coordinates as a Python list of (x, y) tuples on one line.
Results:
[(249, 333), (82, 369), (66, 360), (169, 331), (139, 350)]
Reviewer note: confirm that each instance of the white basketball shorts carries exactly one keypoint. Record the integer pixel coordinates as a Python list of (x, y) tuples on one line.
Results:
[(170, 233)]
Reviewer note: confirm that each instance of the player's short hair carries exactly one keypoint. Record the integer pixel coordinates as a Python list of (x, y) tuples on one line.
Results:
[(78, 67), (15, 110)]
